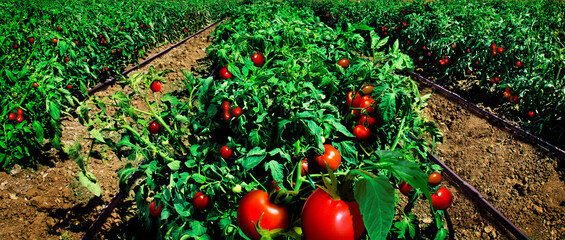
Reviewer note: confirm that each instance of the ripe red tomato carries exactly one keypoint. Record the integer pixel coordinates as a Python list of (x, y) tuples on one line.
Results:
[(353, 99), (442, 199), (506, 95), (468, 50), (156, 86), (12, 116), (404, 188), (15, 46), (344, 63), (226, 152), (59, 28), (531, 114), (200, 201), (69, 86), (274, 184), (225, 106), (519, 64), (31, 40), (304, 167), (441, 62), (76, 42), (236, 112), (20, 118), (434, 179), (224, 73), (20, 111), (258, 59), (329, 219), (155, 211), (361, 133), (154, 127), (255, 205), (66, 59), (500, 50), (493, 46), (368, 104), (331, 156), (468, 71), (226, 116), (35, 85), (54, 41), (367, 120)]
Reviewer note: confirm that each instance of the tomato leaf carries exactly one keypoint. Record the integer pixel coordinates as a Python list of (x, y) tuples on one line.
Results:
[(198, 178), (376, 202), (174, 165), (90, 185), (340, 128), (276, 170), (96, 134), (38, 128), (54, 110), (253, 158), (347, 151), (182, 207), (387, 105)]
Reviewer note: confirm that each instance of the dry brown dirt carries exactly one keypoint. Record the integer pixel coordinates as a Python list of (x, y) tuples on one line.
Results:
[(49, 202)]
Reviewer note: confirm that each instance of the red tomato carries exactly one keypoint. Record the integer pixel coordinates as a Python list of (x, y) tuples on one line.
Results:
[(493, 46), (500, 50), (226, 152), (156, 86), (225, 106), (367, 120), (12, 116), (236, 112), (15, 46), (304, 167), (154, 127), (434, 179), (226, 116), (353, 99), (368, 105), (258, 59), (69, 86), (405, 188), (66, 59), (155, 211), (224, 73), (200, 201), (357, 112), (31, 40), (20, 118), (519, 64), (468, 71), (331, 156), (531, 114), (506, 95), (344, 63), (329, 219), (20, 111), (361, 133), (54, 41), (441, 62), (35, 85), (274, 184), (256, 204), (442, 199)]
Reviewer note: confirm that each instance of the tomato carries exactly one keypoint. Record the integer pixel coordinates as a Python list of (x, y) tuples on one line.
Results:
[(441, 62), (12, 116), (236, 112), (344, 63), (59, 28), (200, 201), (258, 59), (356, 112), (224, 73), (225, 106), (361, 133), (156, 86), (31, 40), (442, 199), (368, 104), (367, 120), (155, 211), (506, 95), (304, 167), (500, 50), (15, 46), (154, 127), (69, 86), (329, 219), (274, 184), (236, 188), (496, 79), (226, 116), (404, 188), (468, 71), (519, 64), (331, 156), (255, 205), (54, 41), (353, 99), (226, 152), (434, 179), (468, 50), (66, 59), (368, 89), (20, 111), (531, 114), (20, 118), (493, 46)]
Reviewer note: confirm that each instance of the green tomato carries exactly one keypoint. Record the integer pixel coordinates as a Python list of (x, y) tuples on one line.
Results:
[(236, 188)]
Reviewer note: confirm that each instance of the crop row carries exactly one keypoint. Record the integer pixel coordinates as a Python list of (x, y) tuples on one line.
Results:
[(510, 52), (52, 52), (235, 155)]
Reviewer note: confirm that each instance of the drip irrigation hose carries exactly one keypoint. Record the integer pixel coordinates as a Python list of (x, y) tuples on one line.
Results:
[(111, 80), (105, 213), (490, 116)]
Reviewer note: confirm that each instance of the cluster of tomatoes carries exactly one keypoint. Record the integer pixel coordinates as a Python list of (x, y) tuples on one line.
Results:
[(441, 199), (19, 118), (363, 108)]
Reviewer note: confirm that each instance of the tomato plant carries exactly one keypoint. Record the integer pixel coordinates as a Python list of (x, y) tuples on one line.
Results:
[(353, 99)]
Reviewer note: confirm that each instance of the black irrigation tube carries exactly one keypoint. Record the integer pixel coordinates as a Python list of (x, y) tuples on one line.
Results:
[(491, 116), (105, 213), (111, 80)]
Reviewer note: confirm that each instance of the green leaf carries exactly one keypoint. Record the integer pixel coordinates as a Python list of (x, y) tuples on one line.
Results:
[(362, 27), (276, 170), (254, 157), (198, 178), (340, 128), (182, 207), (38, 128), (54, 110), (316, 132), (405, 170), (90, 185), (387, 105), (174, 165), (347, 151), (376, 202), (181, 118), (96, 134), (255, 138)]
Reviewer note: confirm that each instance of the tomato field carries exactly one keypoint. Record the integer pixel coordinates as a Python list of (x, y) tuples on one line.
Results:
[(304, 125)]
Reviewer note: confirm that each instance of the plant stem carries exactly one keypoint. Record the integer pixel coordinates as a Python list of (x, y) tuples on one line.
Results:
[(400, 130)]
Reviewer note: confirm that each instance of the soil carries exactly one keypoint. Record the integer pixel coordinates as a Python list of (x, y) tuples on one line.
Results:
[(48, 202), (524, 182)]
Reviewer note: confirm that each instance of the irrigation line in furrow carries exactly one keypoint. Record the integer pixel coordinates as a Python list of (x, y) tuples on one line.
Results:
[(491, 116), (474, 194), (105, 213), (111, 80)]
